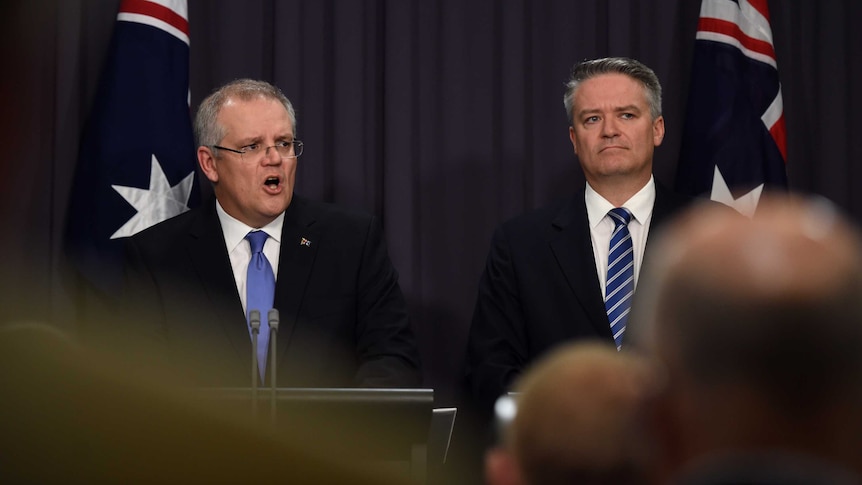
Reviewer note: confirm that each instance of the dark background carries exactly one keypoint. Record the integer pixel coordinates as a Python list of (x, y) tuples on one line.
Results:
[(444, 117)]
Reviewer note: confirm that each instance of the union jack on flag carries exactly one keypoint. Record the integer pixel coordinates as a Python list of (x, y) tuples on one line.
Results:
[(734, 140)]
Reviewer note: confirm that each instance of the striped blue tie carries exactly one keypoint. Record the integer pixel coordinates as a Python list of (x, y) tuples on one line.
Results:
[(621, 274), (260, 291)]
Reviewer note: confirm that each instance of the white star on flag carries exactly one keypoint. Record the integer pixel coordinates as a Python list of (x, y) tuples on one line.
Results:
[(745, 205), (156, 204)]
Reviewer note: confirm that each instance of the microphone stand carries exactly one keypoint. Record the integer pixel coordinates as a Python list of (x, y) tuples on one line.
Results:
[(254, 322), (273, 334)]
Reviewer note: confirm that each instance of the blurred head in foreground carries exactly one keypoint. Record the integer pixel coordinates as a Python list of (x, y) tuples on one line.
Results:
[(577, 420), (758, 324)]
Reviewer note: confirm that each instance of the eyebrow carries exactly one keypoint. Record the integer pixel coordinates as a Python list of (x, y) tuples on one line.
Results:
[(259, 139), (619, 109)]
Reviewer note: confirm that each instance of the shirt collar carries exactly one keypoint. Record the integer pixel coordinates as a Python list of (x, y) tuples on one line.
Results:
[(235, 231), (640, 204)]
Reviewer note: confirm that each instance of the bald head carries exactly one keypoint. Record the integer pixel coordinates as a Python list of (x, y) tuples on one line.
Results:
[(775, 300), (759, 324), (577, 419)]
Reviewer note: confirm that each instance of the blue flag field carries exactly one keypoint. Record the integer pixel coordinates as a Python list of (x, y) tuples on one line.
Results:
[(734, 140), (136, 164)]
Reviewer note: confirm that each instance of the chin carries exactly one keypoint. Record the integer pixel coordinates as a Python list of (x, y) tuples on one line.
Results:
[(273, 212), (276, 207)]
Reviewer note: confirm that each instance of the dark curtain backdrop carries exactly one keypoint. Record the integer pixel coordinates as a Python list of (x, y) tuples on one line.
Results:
[(444, 117)]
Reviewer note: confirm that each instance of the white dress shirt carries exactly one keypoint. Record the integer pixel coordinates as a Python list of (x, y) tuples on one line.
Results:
[(602, 226), (239, 249)]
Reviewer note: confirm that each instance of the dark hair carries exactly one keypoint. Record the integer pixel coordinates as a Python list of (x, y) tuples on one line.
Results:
[(614, 65)]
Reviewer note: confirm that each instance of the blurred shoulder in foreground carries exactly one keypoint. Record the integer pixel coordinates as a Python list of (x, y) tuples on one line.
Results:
[(72, 415)]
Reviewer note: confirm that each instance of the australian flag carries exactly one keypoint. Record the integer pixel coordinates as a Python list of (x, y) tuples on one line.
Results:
[(136, 165), (734, 141)]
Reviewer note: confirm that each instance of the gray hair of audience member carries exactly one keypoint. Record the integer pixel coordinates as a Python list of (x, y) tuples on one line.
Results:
[(614, 65), (772, 303), (209, 132), (578, 417)]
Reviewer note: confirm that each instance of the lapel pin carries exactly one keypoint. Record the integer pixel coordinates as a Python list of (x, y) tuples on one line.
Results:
[(305, 242)]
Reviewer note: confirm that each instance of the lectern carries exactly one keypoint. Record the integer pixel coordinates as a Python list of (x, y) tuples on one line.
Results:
[(386, 428)]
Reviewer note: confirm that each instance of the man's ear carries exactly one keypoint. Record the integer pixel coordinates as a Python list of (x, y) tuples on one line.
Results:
[(666, 427), (658, 130), (501, 468), (208, 163), (572, 138)]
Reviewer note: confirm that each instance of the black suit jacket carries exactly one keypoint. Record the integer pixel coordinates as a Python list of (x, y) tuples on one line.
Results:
[(540, 288), (343, 317)]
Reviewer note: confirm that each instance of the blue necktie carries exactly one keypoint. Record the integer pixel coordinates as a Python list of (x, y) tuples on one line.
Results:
[(621, 274), (260, 291)]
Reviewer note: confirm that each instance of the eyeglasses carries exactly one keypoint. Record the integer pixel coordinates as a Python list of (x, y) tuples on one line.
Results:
[(285, 149)]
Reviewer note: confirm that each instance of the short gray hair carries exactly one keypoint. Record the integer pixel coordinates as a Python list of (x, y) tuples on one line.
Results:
[(209, 132), (614, 65)]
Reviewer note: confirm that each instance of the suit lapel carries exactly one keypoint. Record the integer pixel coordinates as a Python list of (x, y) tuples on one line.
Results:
[(571, 244), (210, 259), (300, 240)]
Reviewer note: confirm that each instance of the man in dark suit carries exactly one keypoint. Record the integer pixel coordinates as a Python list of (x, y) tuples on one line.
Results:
[(546, 275), (343, 317)]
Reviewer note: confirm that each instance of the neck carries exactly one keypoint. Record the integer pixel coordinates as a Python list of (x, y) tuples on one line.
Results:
[(619, 190), (746, 421)]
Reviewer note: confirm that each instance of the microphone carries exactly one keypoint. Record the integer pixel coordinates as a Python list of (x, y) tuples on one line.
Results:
[(254, 323), (273, 333)]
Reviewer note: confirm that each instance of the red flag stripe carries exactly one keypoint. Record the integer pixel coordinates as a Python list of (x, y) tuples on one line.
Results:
[(773, 118), (156, 11), (731, 29), (779, 134), (761, 6)]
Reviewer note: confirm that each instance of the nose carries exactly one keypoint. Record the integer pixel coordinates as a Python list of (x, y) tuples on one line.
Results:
[(271, 156), (609, 127)]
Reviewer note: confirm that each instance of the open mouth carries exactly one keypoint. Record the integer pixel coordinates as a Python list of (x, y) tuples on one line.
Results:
[(272, 182)]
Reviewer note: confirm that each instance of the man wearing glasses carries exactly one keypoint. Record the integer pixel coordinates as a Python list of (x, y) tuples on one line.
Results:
[(195, 279)]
